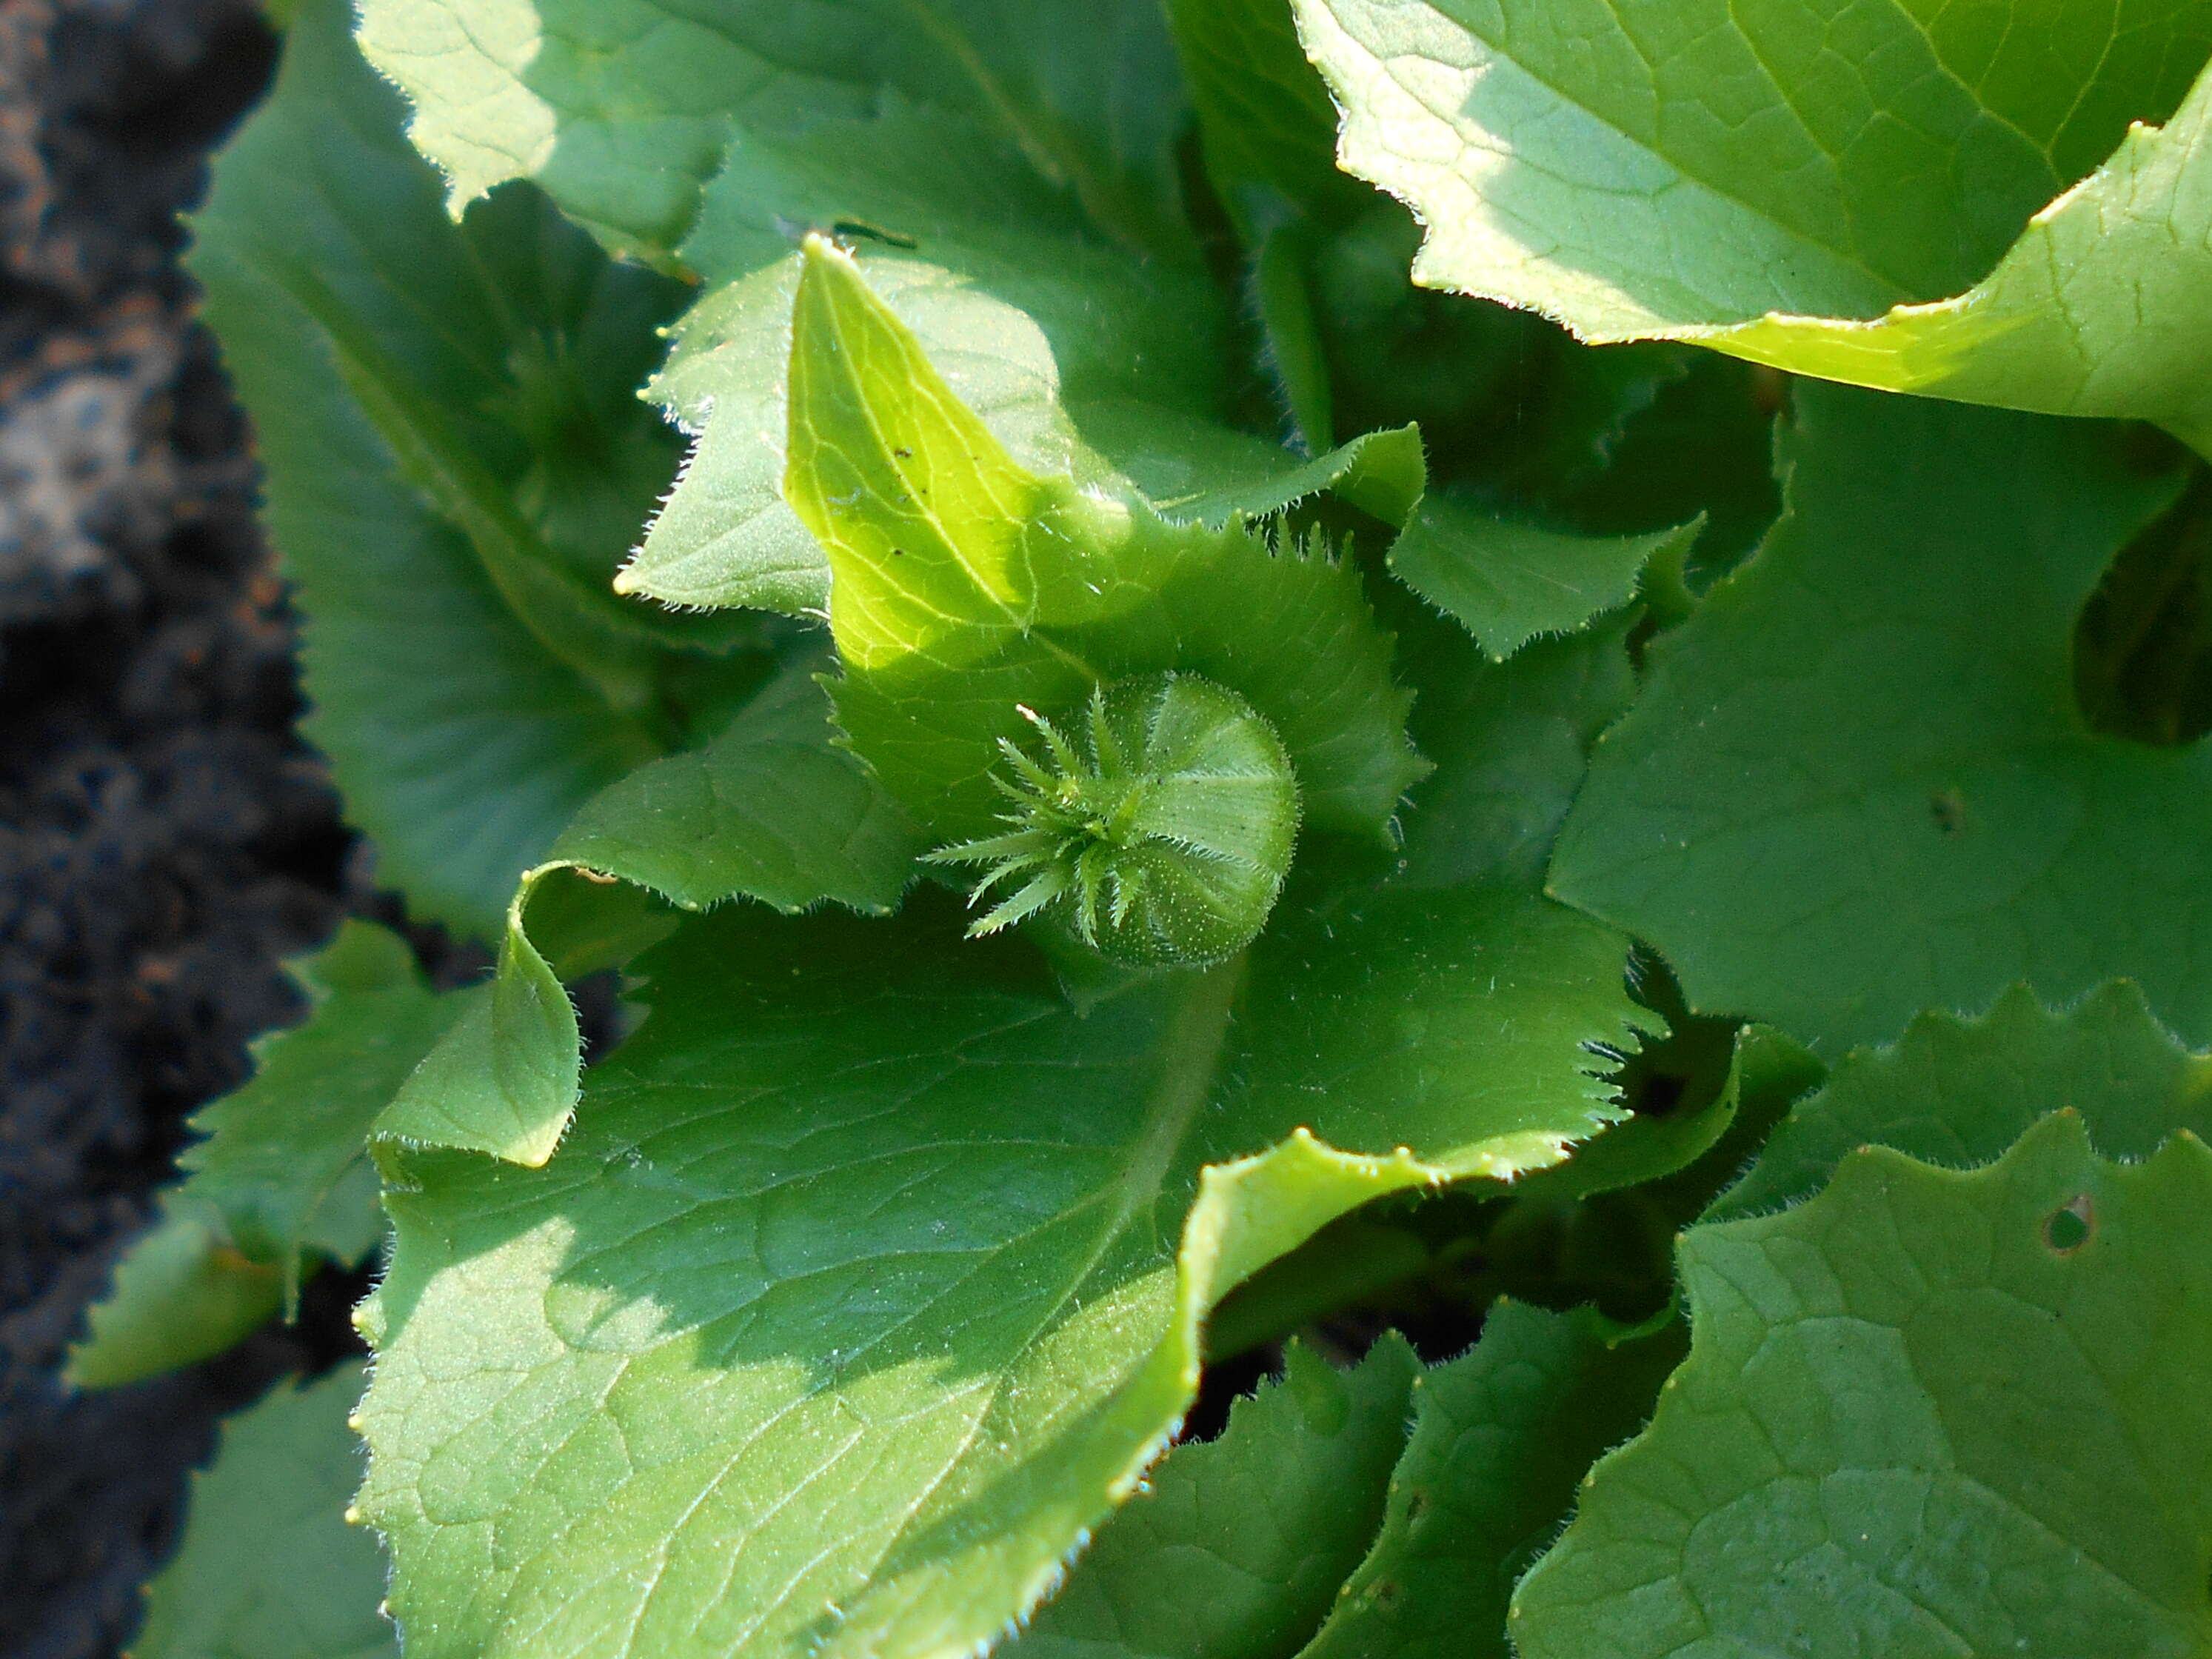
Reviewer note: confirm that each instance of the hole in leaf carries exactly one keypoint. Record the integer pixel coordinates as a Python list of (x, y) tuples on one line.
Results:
[(2142, 646), (2070, 1226)]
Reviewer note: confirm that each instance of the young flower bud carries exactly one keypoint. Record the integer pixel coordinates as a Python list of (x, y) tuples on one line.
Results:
[(1162, 832)]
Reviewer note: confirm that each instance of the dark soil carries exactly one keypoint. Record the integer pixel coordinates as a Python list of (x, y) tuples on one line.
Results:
[(164, 839)]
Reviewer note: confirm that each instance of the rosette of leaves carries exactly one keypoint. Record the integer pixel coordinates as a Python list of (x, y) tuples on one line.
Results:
[(852, 1300), (969, 595)]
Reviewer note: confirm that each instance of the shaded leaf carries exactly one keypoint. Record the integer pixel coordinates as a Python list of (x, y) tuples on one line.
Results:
[(1194, 471), (182, 1293), (1352, 1259), (1696, 173), (369, 336), (1920, 1417), (1502, 1438), (1857, 784), (1509, 583), (282, 1182), (284, 1157), (771, 810), (1239, 1544), (1269, 126), (1294, 353), (501, 1079), (269, 1566), (1960, 1093), (1509, 742), (1670, 1135)]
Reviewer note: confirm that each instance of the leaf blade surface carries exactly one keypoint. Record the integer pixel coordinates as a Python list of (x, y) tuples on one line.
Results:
[(1909, 204), (1917, 1354), (857, 1199), (1853, 788)]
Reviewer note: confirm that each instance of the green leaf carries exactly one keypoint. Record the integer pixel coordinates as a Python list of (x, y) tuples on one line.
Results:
[(623, 109), (1665, 1142), (969, 587), (725, 537), (869, 1276), (408, 380), (182, 1293), (1502, 1438), (284, 1158), (1857, 784), (771, 810), (1293, 353), (1923, 1413), (1509, 742), (282, 1181), (1269, 127), (1639, 170), (1960, 1093), (1079, 359), (503, 1078), (996, 270), (1769, 1073), (1239, 1544), (620, 112), (1196, 472), (1694, 434), (269, 1566), (1509, 583), (1352, 1259)]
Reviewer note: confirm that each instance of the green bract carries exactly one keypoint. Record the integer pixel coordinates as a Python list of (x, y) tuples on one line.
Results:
[(1450, 816)]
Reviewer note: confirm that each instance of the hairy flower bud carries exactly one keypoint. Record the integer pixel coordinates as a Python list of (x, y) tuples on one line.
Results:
[(1162, 831)]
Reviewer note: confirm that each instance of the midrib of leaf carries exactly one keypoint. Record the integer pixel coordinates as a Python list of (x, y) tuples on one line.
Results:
[(1059, 163), (1041, 154), (1190, 1067), (1849, 258)]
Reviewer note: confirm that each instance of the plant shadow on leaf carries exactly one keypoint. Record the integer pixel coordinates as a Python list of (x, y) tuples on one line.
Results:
[(868, 982), (455, 464), (1560, 163), (853, 1175)]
